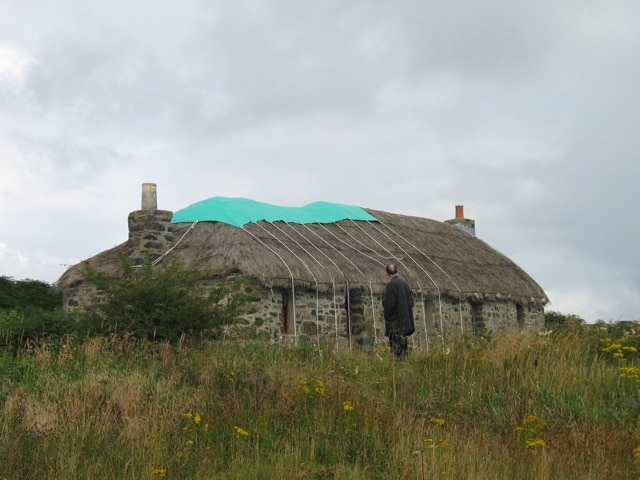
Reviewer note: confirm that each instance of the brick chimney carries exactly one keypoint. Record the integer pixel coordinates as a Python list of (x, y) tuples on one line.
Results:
[(150, 229), (466, 224)]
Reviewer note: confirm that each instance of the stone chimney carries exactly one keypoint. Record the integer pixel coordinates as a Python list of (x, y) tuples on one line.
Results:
[(466, 224), (150, 229)]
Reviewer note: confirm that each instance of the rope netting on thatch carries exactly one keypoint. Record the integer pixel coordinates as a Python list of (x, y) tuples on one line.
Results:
[(377, 253), (435, 258)]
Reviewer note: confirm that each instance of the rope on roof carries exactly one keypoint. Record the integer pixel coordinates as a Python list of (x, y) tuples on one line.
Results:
[(298, 244), (350, 246), (291, 226), (293, 283), (336, 250), (161, 257), (444, 272), (333, 283), (424, 271), (373, 308), (380, 263), (424, 309), (391, 255), (358, 241), (314, 277), (439, 268), (306, 266), (347, 283)]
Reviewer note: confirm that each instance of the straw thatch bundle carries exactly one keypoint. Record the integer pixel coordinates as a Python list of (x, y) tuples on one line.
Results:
[(436, 258)]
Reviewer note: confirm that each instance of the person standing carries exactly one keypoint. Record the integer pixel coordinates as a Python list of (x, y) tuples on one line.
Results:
[(398, 312)]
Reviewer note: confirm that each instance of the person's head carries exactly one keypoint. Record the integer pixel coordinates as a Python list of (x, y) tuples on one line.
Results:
[(391, 269)]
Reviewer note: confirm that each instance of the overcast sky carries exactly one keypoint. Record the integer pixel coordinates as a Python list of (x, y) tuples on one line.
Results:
[(527, 113)]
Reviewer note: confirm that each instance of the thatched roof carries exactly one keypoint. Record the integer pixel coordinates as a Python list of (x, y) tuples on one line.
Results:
[(434, 257)]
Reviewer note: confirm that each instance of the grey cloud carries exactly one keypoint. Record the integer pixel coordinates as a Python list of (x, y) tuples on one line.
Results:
[(524, 112)]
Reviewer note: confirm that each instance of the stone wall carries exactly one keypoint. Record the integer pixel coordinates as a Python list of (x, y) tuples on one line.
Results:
[(73, 299), (324, 318), (490, 318)]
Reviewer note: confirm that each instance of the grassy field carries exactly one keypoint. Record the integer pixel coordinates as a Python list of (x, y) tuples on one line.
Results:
[(522, 406)]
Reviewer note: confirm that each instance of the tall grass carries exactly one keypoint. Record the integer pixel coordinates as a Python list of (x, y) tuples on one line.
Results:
[(520, 406)]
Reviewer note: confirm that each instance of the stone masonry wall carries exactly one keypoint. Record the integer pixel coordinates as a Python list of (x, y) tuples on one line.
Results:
[(73, 299), (323, 318)]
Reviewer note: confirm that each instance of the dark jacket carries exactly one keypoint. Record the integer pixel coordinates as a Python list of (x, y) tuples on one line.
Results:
[(398, 308)]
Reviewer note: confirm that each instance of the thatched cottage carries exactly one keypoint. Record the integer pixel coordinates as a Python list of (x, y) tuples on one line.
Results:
[(320, 268)]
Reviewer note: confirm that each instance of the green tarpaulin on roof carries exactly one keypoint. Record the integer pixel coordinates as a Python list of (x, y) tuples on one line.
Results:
[(240, 211)]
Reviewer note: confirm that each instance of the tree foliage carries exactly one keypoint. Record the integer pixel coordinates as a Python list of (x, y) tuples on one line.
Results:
[(29, 309), (28, 293)]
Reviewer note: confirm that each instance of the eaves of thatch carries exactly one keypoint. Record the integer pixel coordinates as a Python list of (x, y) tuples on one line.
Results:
[(434, 257)]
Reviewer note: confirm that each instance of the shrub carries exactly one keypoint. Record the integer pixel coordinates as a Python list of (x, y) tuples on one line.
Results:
[(29, 309), (21, 325), (28, 293), (560, 321), (162, 303)]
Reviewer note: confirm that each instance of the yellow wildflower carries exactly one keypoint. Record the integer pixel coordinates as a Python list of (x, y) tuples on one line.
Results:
[(159, 472), (240, 432), (197, 418), (534, 443), (632, 373), (347, 406), (636, 452), (311, 387), (612, 348), (438, 421), (533, 423), (303, 387)]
